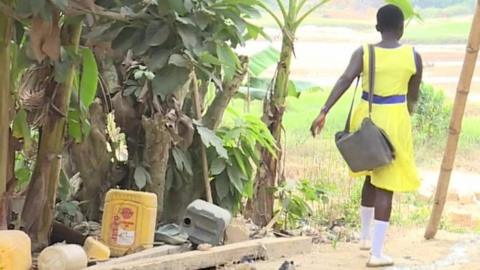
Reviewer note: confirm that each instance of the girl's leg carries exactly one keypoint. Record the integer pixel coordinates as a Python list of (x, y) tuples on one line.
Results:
[(383, 209), (366, 213)]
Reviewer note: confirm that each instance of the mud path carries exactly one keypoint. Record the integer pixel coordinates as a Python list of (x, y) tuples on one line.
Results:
[(449, 251)]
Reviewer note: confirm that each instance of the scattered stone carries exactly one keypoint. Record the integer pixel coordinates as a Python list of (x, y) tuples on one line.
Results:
[(204, 247), (287, 265), (237, 231)]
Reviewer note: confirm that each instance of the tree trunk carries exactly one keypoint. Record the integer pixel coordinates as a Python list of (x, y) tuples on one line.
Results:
[(39, 207), (93, 161), (213, 117), (455, 125), (270, 168), (5, 37), (158, 142)]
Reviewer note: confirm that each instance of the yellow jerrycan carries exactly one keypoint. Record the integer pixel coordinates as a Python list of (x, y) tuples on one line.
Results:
[(128, 222), (15, 250)]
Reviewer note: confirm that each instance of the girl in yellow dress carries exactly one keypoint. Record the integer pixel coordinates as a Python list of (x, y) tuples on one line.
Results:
[(398, 74)]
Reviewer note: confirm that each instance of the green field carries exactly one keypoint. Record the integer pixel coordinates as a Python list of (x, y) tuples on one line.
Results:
[(428, 31), (438, 31), (300, 113)]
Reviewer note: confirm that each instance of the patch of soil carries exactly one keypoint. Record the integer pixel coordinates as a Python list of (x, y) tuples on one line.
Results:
[(449, 251)]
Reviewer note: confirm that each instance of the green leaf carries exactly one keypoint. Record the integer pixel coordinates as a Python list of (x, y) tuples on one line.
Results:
[(182, 160), (140, 48), (406, 6), (89, 80), (169, 79), (158, 59), (156, 33), (222, 186), (74, 125), (126, 39), (229, 60), (292, 90), (263, 60), (178, 6), (250, 11), (239, 160), (235, 176), (141, 176), (64, 186), (202, 19), (178, 60), (60, 74), (61, 4), (217, 166), (190, 37), (209, 138), (209, 59), (21, 128), (23, 175)]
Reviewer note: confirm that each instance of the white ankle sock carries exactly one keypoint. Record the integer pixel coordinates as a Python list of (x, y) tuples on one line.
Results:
[(366, 218), (379, 233)]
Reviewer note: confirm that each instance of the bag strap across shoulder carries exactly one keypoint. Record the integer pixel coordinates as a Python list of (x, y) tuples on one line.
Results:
[(371, 80), (371, 77)]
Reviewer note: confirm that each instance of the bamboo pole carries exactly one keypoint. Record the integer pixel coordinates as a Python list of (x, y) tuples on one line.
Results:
[(203, 150), (5, 37), (455, 124)]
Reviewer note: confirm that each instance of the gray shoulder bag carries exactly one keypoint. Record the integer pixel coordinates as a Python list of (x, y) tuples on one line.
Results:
[(369, 147)]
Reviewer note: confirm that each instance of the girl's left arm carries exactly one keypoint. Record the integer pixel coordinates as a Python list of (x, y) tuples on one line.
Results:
[(414, 84)]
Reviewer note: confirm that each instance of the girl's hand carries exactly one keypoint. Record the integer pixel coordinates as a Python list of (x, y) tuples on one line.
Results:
[(318, 123)]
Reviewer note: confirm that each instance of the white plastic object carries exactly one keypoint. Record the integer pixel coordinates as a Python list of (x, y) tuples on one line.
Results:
[(62, 257)]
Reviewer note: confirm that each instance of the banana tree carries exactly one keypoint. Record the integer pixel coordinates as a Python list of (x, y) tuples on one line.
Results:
[(292, 14), (5, 97)]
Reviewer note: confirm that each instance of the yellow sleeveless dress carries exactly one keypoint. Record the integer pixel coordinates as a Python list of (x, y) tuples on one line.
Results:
[(393, 70)]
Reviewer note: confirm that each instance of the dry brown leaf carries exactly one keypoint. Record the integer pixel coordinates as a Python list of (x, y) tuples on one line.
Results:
[(51, 46), (45, 38), (38, 32)]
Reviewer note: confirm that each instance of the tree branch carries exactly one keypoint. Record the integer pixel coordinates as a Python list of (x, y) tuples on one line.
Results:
[(215, 111)]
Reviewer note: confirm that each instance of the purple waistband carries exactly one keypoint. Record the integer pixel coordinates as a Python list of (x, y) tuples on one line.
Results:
[(385, 100)]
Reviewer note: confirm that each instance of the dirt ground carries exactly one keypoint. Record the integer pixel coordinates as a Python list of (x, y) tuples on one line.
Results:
[(449, 251)]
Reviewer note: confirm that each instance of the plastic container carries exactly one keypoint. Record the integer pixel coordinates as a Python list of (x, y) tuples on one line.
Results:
[(205, 223), (96, 250), (129, 219), (62, 257), (15, 250)]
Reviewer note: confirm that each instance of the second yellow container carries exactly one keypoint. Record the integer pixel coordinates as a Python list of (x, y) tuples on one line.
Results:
[(129, 219), (15, 251)]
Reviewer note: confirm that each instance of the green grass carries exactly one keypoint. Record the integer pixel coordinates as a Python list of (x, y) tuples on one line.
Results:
[(267, 21), (438, 31), (429, 31), (300, 113), (318, 159), (470, 136)]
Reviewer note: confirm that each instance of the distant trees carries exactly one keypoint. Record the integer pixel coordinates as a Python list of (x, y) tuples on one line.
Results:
[(442, 4)]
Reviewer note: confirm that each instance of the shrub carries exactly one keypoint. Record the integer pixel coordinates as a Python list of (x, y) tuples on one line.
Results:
[(432, 114)]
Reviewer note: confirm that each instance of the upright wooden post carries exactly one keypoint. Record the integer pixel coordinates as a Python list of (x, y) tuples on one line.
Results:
[(455, 124), (5, 38)]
